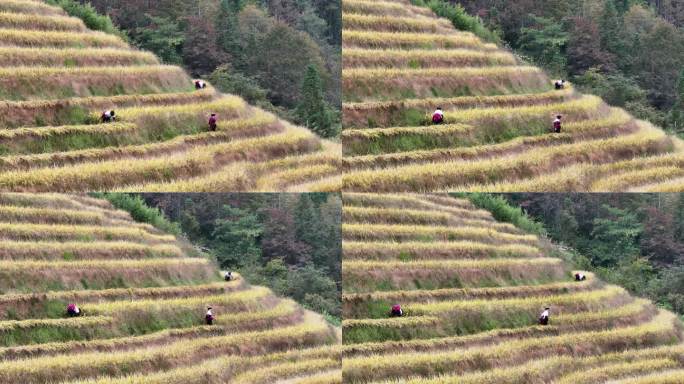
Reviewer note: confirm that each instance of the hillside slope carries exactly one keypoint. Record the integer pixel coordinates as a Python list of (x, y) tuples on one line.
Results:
[(143, 301), (471, 289), (56, 78), (401, 62)]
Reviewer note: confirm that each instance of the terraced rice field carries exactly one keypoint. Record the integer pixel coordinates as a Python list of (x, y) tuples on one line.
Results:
[(472, 289), (401, 62), (57, 77), (143, 294)]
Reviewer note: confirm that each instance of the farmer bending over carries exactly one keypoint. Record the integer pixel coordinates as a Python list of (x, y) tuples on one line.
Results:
[(108, 116), (438, 116), (544, 318), (73, 310)]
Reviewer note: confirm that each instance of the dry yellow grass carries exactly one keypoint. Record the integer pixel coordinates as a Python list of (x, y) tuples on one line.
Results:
[(399, 232), (471, 307), (374, 39), (431, 176), (18, 56), (32, 7), (40, 22), (59, 39), (394, 23), (143, 302), (402, 62)]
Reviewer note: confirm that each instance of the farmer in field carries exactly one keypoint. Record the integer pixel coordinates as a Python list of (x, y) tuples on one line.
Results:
[(560, 84), (108, 116), (438, 116), (396, 311), (580, 276), (212, 122), (200, 84), (544, 318), (73, 310), (209, 318), (557, 124), (228, 276)]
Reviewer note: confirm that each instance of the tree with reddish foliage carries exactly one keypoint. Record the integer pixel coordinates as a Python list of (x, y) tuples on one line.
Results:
[(280, 240), (201, 51), (659, 241), (584, 48)]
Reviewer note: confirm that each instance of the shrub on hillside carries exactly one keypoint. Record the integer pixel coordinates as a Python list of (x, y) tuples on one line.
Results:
[(89, 15), (136, 206), (459, 17), (503, 211)]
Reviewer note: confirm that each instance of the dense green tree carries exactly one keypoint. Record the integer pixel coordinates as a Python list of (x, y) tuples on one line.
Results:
[(228, 32), (616, 236), (313, 111), (615, 89), (610, 25), (545, 43), (277, 62), (164, 38), (676, 118), (658, 62), (235, 238), (634, 240), (228, 80)]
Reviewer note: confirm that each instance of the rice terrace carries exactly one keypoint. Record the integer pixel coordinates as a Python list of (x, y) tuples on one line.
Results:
[(139, 296), (468, 291), (401, 62), (56, 78)]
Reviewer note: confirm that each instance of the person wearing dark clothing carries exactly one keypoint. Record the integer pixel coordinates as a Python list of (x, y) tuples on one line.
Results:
[(212, 122), (396, 311), (580, 277), (228, 276), (209, 317), (73, 310), (560, 84), (108, 116), (199, 84), (438, 116), (557, 124), (544, 318)]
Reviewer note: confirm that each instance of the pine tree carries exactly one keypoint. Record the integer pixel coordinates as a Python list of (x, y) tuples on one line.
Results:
[(611, 26), (313, 111), (227, 29), (676, 118), (622, 5), (309, 226), (236, 234)]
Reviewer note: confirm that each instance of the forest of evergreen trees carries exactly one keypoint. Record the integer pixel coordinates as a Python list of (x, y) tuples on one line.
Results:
[(288, 242), (282, 55), (630, 52), (633, 240)]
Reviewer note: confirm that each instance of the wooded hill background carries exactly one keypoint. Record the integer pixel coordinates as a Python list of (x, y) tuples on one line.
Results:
[(634, 240), (266, 51), (629, 52), (288, 242)]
